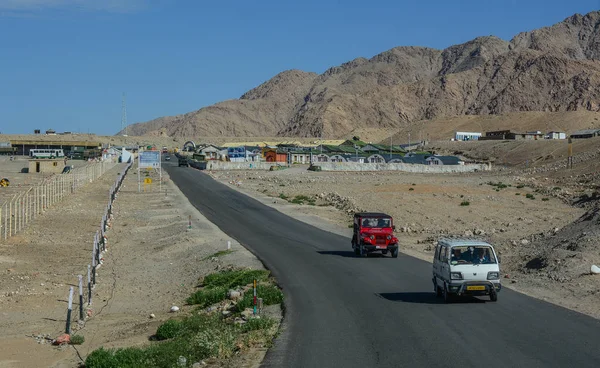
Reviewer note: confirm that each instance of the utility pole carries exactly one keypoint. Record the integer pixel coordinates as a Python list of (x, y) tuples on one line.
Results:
[(123, 114)]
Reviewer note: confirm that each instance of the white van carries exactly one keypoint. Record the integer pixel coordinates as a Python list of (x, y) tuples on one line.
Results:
[(466, 267)]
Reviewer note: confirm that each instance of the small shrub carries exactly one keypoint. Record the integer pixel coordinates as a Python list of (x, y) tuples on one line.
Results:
[(301, 199), (262, 323), (282, 185), (101, 358), (77, 340), (350, 226), (411, 189), (545, 199), (414, 184), (206, 297), (283, 196), (530, 196), (517, 193), (169, 329), (234, 278), (520, 186), (462, 196), (219, 254), (269, 293), (215, 342), (465, 203), (556, 188)]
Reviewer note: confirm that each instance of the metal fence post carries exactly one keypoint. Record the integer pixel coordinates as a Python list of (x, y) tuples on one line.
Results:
[(70, 308)]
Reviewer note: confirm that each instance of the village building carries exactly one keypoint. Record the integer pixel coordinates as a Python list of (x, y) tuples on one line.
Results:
[(587, 133)]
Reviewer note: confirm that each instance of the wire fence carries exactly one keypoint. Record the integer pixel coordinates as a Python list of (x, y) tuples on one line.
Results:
[(17, 212), (99, 249)]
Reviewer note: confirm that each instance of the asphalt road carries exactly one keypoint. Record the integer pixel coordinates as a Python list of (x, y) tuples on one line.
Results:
[(343, 311)]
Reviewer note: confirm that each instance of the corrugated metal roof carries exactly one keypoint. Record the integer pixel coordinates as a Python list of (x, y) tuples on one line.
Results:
[(586, 131), (330, 142)]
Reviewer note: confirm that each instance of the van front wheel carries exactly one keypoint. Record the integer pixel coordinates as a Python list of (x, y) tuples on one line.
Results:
[(436, 288), (493, 296), (446, 294)]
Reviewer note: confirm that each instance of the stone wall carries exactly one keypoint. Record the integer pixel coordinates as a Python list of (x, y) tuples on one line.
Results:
[(354, 166), (224, 165)]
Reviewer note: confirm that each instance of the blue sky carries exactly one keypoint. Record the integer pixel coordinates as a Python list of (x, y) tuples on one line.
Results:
[(64, 64)]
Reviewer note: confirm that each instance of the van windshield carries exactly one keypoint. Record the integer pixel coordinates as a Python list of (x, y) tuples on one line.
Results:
[(376, 222), (477, 254)]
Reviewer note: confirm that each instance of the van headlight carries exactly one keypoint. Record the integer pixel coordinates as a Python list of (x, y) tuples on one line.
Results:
[(456, 276), (493, 275)]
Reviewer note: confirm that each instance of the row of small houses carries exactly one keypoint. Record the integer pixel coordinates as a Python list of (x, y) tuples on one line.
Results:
[(369, 153), (537, 135)]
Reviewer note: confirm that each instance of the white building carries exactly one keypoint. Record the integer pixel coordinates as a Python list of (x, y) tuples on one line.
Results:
[(556, 135), (466, 136)]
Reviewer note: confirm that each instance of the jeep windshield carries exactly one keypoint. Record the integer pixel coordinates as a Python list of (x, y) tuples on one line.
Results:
[(375, 222), (477, 254)]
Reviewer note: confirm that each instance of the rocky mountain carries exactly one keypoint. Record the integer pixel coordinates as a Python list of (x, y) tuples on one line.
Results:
[(551, 69)]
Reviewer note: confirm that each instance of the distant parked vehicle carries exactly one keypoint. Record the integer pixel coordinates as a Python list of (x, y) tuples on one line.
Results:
[(46, 153), (374, 232), (183, 162), (466, 267)]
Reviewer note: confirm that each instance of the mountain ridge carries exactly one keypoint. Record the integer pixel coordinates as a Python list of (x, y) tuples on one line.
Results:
[(554, 68)]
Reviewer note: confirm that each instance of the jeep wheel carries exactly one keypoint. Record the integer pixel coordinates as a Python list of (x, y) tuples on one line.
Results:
[(363, 252), (395, 253)]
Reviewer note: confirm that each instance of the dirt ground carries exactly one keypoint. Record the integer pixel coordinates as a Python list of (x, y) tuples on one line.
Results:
[(154, 262), (428, 206), (21, 181)]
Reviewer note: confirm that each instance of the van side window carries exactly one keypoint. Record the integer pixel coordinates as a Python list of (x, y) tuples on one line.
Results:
[(437, 252), (441, 252), (445, 255)]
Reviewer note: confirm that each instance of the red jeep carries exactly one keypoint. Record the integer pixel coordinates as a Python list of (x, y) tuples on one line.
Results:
[(374, 232)]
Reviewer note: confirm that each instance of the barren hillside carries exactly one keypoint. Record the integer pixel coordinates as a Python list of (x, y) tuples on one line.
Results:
[(553, 69)]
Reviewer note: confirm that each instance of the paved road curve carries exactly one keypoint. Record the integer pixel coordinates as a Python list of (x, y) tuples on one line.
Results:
[(343, 311)]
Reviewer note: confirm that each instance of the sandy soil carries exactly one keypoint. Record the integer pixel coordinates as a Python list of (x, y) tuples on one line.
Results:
[(20, 181), (427, 206), (154, 262)]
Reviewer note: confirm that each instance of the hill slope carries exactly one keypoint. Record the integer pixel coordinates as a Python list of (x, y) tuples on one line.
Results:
[(553, 69)]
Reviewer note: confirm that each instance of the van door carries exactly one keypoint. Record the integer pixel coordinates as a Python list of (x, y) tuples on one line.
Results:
[(444, 266), (439, 266), (436, 262)]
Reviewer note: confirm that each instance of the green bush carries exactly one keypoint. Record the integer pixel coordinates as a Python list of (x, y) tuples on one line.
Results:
[(545, 199), (234, 278), (101, 358), (283, 196), (411, 189), (465, 203), (77, 340), (206, 297), (530, 196), (262, 323), (521, 186), (270, 295), (517, 193), (301, 199), (169, 329)]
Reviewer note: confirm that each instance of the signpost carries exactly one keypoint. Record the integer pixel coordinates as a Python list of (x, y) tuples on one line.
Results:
[(149, 160)]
